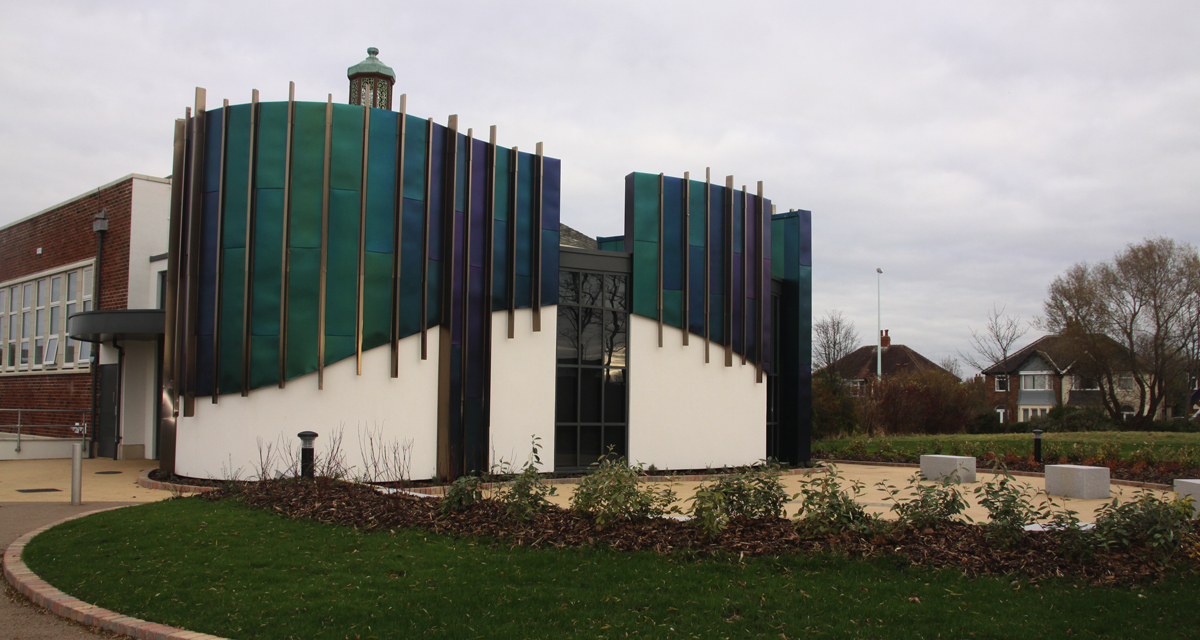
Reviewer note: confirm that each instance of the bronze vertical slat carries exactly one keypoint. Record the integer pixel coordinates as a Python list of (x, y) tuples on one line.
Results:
[(447, 409), (425, 242), (687, 247), (536, 271), (324, 244), (362, 240), (216, 372), (168, 406), (745, 265), (727, 285), (195, 186), (398, 233), (248, 277), (285, 252), (707, 259), (758, 284), (512, 248), (659, 283), (181, 269)]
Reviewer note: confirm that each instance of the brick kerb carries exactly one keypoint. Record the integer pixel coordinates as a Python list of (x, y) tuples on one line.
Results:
[(41, 593)]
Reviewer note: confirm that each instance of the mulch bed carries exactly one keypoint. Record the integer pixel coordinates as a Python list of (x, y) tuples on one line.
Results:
[(1164, 473), (965, 547)]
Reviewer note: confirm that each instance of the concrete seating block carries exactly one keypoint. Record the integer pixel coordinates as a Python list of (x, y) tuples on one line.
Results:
[(1189, 488), (939, 467), (1077, 481)]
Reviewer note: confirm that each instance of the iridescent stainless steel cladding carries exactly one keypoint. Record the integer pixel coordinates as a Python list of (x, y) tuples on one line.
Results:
[(511, 294), (745, 267), (398, 232), (425, 241), (727, 285), (536, 279), (324, 244), (687, 248), (759, 288), (168, 406), (216, 372), (248, 289), (707, 258), (285, 252), (659, 283), (362, 240), (193, 205)]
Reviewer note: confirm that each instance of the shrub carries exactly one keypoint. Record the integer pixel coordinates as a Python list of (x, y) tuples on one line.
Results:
[(612, 492), (1159, 525), (463, 492), (1010, 505), (526, 494), (826, 508), (928, 505), (754, 492)]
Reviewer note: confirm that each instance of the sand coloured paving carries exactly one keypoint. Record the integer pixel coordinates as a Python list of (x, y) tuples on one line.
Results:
[(99, 484)]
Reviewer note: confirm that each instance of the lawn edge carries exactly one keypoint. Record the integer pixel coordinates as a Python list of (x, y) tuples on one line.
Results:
[(43, 594)]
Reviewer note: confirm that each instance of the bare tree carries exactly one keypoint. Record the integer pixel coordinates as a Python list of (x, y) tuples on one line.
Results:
[(950, 363), (834, 337), (994, 345), (1132, 316)]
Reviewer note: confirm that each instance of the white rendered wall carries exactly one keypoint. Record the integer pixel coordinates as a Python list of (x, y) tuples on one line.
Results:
[(149, 231), (685, 414), (523, 378), (137, 398), (222, 439)]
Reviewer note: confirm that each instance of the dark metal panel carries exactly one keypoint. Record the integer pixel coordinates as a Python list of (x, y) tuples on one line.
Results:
[(398, 233), (448, 436), (512, 247), (168, 405), (324, 244), (220, 248), (727, 285), (192, 208), (425, 241), (248, 289), (659, 282), (760, 257), (287, 224), (745, 213), (536, 271), (362, 241), (574, 258), (686, 251), (707, 258)]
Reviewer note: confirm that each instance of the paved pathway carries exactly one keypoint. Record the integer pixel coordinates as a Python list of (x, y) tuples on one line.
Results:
[(21, 513)]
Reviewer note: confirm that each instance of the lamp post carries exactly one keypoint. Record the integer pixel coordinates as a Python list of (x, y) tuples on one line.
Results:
[(307, 466), (879, 324), (1037, 446)]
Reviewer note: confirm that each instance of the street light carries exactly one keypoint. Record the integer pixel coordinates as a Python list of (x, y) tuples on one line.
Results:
[(879, 324)]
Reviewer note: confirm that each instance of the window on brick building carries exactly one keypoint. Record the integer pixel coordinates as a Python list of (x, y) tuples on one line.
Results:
[(33, 321)]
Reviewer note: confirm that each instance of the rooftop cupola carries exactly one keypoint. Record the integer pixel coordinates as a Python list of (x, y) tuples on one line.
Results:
[(371, 82)]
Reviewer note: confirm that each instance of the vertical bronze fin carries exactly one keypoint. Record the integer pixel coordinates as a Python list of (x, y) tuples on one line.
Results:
[(248, 276), (285, 252), (324, 244)]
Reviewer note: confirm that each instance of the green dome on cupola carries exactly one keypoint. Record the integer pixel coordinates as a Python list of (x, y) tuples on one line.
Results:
[(371, 82)]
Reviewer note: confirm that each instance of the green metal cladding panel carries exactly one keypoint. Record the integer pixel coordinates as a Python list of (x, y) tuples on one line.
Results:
[(416, 137), (304, 268), (645, 279), (696, 218), (308, 176), (341, 268), (233, 270)]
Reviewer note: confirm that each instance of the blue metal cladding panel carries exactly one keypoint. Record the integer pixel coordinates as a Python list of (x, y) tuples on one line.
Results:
[(765, 293), (381, 181), (804, 220), (524, 220), (437, 198), (551, 190), (412, 239), (460, 173), (696, 290), (672, 235), (456, 273), (615, 244), (502, 213), (414, 158), (716, 263)]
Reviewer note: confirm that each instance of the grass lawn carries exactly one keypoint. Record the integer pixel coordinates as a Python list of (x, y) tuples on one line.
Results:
[(225, 569), (1129, 441)]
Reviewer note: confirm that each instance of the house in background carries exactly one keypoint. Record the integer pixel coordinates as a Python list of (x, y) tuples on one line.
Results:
[(1043, 375), (111, 240), (859, 367)]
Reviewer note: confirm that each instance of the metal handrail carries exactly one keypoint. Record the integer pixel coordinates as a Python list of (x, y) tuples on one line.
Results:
[(79, 428)]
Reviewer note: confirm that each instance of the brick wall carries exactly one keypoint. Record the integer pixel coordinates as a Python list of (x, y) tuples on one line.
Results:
[(65, 236)]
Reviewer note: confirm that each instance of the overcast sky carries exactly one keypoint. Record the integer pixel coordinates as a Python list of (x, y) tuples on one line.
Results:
[(972, 150)]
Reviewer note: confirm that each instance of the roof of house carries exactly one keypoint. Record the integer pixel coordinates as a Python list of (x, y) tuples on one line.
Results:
[(1052, 349), (897, 359), (569, 237)]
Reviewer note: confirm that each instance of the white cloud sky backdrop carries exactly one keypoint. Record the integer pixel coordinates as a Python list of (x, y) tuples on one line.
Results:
[(972, 150)]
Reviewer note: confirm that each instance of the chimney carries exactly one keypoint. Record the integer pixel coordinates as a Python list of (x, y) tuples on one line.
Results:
[(884, 340)]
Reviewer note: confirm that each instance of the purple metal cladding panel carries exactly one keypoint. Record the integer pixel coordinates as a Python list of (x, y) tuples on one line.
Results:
[(751, 250), (456, 284), (478, 200), (476, 337), (738, 303), (551, 185)]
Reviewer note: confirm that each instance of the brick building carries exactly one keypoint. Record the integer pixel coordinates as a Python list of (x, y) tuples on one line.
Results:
[(50, 265)]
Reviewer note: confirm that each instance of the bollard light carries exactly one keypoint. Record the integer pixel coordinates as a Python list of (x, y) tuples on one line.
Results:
[(306, 453), (1037, 446)]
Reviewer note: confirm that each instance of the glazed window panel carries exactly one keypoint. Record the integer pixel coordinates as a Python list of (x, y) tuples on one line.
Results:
[(33, 322)]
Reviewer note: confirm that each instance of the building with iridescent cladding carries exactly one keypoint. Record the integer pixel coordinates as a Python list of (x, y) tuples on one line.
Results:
[(379, 277)]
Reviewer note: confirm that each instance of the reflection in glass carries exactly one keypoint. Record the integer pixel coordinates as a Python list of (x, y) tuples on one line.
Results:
[(27, 297), (614, 440), (589, 290), (566, 401), (568, 335), (590, 445), (37, 351), (72, 286), (614, 396), (568, 293), (52, 350), (614, 338), (55, 287), (591, 340), (591, 383), (566, 440), (41, 293), (614, 292)]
